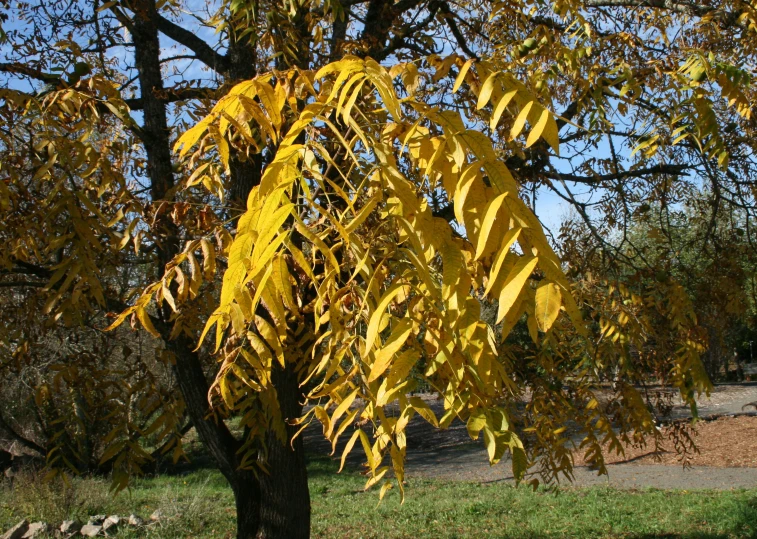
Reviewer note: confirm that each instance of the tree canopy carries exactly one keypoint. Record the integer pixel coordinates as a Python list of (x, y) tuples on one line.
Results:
[(315, 208)]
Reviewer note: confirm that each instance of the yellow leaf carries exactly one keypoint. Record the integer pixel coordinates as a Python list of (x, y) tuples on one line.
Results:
[(318, 243), (520, 462), (348, 448), (476, 422), (215, 318), (392, 345), (547, 308), (500, 108), (461, 76), (195, 276), (343, 407), (539, 128), (410, 77), (236, 271), (209, 259), (380, 473), (196, 178), (384, 488), (270, 103), (424, 410), (191, 136), (402, 366), (520, 121), (507, 242), (268, 333), (367, 449), (495, 446), (363, 214), (300, 259), (486, 226), (383, 83), (514, 284), (144, 318), (551, 134), (225, 386), (120, 318), (378, 314), (348, 420), (452, 266), (486, 91)]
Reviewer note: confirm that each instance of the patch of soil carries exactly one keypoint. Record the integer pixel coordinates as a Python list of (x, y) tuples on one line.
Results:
[(727, 442)]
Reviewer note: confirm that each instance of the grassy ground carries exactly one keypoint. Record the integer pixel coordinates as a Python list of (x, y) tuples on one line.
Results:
[(199, 505)]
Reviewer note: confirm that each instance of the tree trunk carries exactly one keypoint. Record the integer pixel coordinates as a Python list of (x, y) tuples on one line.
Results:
[(213, 433), (285, 511), (248, 503), (268, 506)]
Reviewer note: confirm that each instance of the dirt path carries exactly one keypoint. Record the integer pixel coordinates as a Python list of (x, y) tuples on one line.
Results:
[(724, 399), (452, 455)]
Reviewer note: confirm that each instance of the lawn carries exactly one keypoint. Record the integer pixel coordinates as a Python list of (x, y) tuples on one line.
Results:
[(198, 504)]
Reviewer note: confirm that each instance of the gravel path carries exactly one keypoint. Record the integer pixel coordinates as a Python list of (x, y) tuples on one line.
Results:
[(724, 399), (452, 455)]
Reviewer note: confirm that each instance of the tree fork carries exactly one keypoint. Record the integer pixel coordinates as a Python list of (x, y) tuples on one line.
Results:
[(284, 508), (214, 434)]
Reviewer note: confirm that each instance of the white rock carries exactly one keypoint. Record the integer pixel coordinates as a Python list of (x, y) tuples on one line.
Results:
[(111, 522), (70, 526), (157, 515), (91, 530), (134, 520), (17, 531), (35, 530)]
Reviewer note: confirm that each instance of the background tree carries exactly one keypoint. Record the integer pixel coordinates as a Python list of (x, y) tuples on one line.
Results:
[(356, 172), (683, 246)]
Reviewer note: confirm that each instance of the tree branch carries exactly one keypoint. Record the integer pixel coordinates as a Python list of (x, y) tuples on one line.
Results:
[(679, 7), (674, 170), (204, 52), (173, 95), (449, 18), (21, 69)]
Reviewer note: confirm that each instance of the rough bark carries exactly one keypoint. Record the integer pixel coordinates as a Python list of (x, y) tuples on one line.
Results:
[(213, 433), (276, 505), (284, 510)]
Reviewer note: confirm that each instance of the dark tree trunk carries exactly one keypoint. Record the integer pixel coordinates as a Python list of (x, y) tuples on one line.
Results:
[(246, 490), (244, 174), (286, 508), (268, 506), (213, 433)]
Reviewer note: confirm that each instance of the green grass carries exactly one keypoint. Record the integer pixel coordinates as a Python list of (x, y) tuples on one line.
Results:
[(199, 505)]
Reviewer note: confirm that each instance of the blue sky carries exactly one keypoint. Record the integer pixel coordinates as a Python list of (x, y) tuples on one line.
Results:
[(549, 207)]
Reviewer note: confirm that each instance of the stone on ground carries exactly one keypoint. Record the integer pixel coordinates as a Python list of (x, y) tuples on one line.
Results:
[(17, 531), (136, 521), (157, 515), (111, 523), (36, 530), (91, 530), (69, 527)]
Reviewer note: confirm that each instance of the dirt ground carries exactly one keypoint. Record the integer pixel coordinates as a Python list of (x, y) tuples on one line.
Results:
[(722, 443), (727, 459)]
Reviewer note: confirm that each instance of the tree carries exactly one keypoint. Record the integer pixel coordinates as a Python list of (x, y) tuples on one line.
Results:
[(344, 190), (684, 246)]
